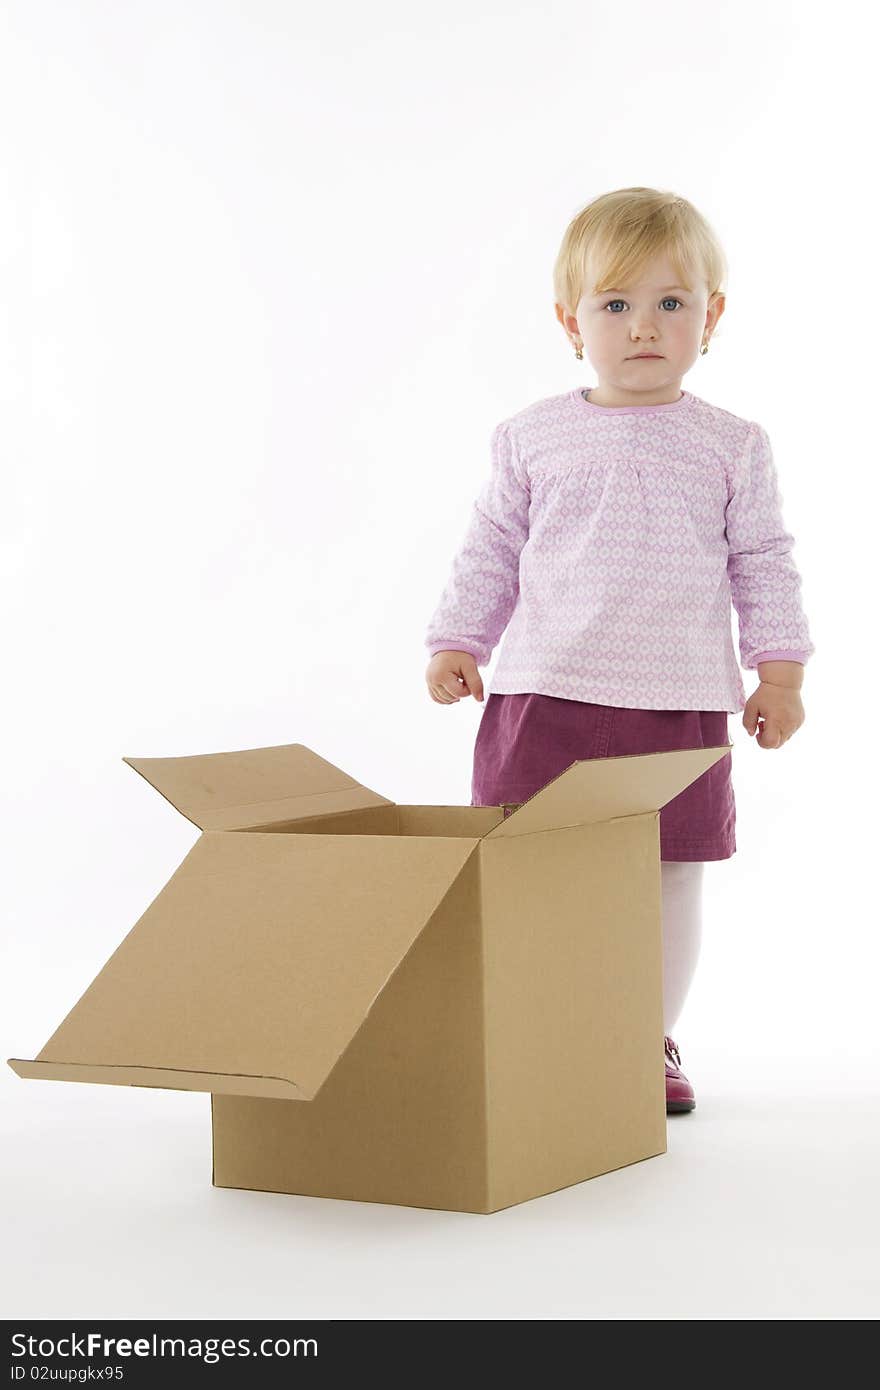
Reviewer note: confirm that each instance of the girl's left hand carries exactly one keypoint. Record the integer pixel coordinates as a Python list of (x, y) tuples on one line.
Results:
[(781, 711)]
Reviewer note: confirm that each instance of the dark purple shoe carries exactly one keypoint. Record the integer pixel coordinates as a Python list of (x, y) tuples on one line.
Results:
[(679, 1091)]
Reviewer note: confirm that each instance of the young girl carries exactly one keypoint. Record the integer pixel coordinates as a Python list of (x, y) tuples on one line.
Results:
[(616, 526)]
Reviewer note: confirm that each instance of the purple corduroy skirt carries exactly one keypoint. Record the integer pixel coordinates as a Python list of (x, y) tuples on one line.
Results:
[(524, 741)]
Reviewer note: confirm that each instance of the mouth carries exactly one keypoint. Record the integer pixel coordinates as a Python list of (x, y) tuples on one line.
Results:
[(639, 355)]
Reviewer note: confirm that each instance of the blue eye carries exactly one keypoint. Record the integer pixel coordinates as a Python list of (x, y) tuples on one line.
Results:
[(670, 299)]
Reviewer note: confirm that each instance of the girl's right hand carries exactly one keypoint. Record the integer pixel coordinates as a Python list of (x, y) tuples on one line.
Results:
[(451, 675)]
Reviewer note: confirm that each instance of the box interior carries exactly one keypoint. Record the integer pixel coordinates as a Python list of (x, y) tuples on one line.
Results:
[(443, 821)]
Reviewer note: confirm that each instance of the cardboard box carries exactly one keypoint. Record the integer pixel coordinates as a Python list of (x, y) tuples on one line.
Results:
[(434, 1006)]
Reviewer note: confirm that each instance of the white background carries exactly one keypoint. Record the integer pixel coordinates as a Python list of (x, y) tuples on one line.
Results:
[(271, 273)]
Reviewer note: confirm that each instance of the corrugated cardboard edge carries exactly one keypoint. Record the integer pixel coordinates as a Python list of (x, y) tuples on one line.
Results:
[(157, 1078)]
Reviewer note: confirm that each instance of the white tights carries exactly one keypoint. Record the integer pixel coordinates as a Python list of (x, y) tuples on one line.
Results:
[(682, 884)]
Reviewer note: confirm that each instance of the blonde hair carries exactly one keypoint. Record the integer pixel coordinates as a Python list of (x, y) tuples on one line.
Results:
[(614, 236)]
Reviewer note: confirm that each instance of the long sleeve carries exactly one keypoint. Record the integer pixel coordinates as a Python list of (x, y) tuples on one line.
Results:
[(482, 589), (765, 585)]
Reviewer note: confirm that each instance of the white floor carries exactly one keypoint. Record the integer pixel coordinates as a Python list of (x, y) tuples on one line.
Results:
[(765, 1206)]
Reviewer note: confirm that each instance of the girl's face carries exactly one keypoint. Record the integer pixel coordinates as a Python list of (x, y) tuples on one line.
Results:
[(656, 315)]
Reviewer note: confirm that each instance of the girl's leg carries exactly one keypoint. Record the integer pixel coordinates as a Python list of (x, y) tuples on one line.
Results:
[(682, 885)]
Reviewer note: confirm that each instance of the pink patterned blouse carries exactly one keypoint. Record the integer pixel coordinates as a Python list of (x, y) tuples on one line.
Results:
[(610, 542)]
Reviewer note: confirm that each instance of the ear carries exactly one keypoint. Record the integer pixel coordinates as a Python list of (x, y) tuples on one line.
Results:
[(715, 308)]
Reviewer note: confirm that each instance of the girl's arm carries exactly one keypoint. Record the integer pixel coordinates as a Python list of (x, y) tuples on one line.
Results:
[(764, 581), (481, 592)]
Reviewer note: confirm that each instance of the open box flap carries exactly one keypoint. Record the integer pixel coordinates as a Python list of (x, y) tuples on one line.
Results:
[(601, 789), (254, 786), (255, 966)]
